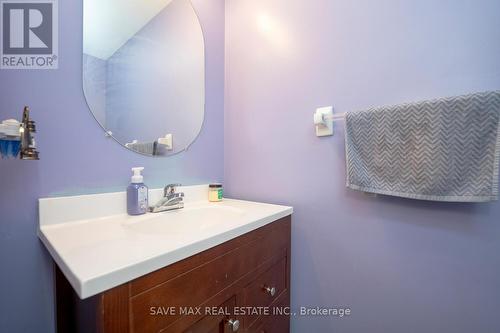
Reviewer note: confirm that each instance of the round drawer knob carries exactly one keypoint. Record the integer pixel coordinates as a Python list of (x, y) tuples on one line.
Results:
[(270, 290), (234, 324)]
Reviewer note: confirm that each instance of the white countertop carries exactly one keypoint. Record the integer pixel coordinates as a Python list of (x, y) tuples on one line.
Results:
[(99, 253)]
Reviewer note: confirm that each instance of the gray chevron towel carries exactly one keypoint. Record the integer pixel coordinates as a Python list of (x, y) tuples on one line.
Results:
[(441, 150), (146, 148)]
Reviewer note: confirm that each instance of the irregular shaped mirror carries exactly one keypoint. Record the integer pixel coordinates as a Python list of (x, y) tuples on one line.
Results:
[(144, 72)]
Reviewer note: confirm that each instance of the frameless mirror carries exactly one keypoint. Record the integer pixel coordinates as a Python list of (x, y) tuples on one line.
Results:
[(144, 72)]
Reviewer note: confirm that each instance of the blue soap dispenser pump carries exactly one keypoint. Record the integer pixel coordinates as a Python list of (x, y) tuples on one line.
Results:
[(137, 194)]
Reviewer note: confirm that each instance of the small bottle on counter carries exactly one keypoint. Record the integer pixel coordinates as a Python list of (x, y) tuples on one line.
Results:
[(137, 194), (215, 192)]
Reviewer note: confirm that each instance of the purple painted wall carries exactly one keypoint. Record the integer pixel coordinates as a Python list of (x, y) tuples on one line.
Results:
[(77, 158), (401, 265)]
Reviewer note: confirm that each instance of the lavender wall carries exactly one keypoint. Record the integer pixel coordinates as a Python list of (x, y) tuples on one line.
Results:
[(77, 158), (401, 265)]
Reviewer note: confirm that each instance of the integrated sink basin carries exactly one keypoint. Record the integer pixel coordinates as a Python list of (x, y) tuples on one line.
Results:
[(196, 219), (98, 247)]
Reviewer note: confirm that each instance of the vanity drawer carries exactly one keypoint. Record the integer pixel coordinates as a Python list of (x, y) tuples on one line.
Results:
[(279, 322), (266, 288), (215, 323), (195, 287)]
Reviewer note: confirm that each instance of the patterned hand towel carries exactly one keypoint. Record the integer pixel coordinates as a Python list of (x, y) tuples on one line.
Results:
[(440, 150), (146, 148)]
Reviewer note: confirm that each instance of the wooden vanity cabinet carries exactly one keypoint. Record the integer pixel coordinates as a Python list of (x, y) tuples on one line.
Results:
[(242, 285), (215, 323)]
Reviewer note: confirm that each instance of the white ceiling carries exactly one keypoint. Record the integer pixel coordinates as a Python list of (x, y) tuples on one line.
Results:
[(109, 24)]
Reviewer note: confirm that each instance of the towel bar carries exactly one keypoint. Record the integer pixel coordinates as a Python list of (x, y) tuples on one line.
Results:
[(335, 117), (323, 120)]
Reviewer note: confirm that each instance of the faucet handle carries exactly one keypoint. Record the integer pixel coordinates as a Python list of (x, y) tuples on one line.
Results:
[(170, 189)]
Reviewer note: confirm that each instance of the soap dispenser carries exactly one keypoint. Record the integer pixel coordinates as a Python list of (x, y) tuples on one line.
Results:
[(137, 194)]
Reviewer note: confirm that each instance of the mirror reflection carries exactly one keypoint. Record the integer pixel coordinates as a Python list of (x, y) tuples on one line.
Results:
[(144, 72)]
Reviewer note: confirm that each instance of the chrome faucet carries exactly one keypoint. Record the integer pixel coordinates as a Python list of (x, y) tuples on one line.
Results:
[(171, 200)]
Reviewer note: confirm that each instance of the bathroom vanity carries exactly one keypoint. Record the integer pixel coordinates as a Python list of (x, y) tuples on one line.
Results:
[(222, 267)]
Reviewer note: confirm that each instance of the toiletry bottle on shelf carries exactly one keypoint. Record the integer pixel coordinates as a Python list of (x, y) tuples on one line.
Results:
[(137, 194), (10, 138)]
